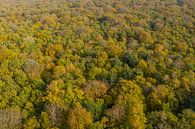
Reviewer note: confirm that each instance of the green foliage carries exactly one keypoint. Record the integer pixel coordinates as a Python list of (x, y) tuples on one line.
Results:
[(97, 64), (162, 120)]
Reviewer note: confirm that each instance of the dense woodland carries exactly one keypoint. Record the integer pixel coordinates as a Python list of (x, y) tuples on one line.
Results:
[(97, 64)]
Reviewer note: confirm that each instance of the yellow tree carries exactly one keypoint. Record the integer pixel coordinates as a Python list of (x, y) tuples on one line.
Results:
[(132, 100), (79, 118)]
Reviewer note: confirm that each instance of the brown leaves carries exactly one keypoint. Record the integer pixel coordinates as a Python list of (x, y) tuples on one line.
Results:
[(95, 89), (33, 69), (10, 119)]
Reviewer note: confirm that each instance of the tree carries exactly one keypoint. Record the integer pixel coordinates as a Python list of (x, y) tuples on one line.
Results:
[(130, 58), (10, 119), (130, 102), (187, 119), (162, 120), (31, 123), (144, 36), (161, 97), (79, 118), (95, 89), (33, 69), (56, 114)]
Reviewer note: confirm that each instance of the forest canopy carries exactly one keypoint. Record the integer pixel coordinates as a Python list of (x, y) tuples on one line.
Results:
[(97, 64)]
